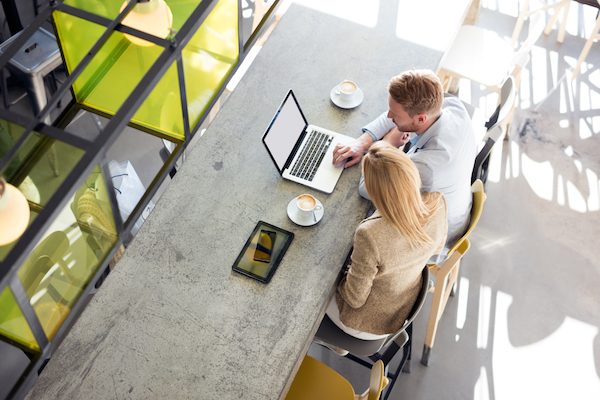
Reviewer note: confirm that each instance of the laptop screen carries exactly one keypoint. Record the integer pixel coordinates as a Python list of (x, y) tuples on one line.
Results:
[(284, 130)]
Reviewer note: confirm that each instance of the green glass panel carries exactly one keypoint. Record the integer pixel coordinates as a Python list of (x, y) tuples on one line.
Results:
[(80, 35), (41, 164), (9, 134), (69, 253), (161, 111), (181, 9), (105, 8), (4, 250), (209, 57), (114, 73), (12, 322), (37, 169)]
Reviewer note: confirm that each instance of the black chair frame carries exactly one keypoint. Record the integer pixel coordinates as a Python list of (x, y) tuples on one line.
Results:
[(385, 349)]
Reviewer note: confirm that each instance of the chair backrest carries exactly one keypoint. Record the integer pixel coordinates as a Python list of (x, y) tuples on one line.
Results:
[(481, 160), (506, 103), (48, 253), (328, 332), (415, 308), (316, 380), (479, 198), (377, 382), (495, 128), (522, 55)]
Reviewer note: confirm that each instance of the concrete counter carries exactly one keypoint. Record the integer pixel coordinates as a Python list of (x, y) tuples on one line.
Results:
[(172, 320)]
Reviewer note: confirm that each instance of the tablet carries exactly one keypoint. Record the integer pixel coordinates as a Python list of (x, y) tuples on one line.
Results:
[(263, 252)]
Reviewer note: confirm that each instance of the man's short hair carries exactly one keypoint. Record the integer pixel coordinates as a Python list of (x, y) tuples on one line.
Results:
[(417, 91)]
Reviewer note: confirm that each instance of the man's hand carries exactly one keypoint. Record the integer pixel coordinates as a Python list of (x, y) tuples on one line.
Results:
[(351, 153), (397, 138)]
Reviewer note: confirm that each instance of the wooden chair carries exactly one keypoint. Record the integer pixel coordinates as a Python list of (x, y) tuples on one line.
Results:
[(594, 35), (317, 381), (381, 350), (559, 8), (496, 126), (446, 273)]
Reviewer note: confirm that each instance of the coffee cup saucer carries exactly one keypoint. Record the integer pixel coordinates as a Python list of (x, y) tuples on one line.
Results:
[(302, 220), (354, 101)]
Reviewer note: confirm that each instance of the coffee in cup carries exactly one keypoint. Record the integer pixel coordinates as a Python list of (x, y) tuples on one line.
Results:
[(306, 205), (347, 89)]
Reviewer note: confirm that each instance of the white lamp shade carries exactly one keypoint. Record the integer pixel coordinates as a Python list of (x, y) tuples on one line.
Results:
[(153, 17), (14, 214)]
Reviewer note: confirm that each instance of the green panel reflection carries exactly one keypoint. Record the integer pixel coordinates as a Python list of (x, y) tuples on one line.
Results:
[(209, 57), (69, 253), (12, 322)]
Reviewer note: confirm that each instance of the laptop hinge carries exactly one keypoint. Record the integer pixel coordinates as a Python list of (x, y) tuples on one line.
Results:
[(288, 162)]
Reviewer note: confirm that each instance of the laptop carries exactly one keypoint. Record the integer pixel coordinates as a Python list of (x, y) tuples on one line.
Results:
[(301, 152)]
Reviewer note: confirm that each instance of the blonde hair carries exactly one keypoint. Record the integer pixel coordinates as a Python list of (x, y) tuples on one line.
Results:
[(417, 91), (394, 185)]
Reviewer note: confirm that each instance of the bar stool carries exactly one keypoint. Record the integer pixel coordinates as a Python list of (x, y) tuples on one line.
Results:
[(38, 57)]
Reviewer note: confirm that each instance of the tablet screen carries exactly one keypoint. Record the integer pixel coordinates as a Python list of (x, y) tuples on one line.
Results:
[(263, 251)]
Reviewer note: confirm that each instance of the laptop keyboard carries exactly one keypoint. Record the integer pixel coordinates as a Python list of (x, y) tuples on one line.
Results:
[(311, 156)]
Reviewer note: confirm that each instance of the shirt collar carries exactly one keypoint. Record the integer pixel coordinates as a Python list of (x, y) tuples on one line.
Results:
[(431, 131)]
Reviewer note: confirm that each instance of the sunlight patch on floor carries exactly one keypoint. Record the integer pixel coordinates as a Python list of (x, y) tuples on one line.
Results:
[(462, 304), (360, 12), (503, 7), (558, 366), (481, 390), (437, 30), (483, 320), (539, 176)]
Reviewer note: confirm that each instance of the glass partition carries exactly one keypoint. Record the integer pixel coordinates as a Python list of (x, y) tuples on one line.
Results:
[(115, 71), (39, 167), (209, 57), (69, 253), (13, 324), (121, 64)]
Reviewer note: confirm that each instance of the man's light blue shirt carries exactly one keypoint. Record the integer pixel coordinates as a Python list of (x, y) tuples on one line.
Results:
[(444, 156)]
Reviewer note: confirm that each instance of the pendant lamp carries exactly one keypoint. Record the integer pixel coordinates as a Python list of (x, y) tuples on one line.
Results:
[(151, 16), (14, 213)]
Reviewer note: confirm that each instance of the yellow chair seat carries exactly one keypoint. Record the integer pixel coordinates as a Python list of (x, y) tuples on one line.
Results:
[(316, 381), (51, 316)]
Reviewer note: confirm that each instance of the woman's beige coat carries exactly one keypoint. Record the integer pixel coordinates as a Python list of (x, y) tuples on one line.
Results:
[(384, 277)]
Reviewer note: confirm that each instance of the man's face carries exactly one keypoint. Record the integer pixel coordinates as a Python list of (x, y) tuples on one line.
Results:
[(403, 121)]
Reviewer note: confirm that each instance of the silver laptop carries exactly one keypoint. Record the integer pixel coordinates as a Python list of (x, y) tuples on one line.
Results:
[(301, 152)]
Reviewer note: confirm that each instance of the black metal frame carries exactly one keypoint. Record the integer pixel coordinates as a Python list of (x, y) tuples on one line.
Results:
[(94, 153), (387, 356)]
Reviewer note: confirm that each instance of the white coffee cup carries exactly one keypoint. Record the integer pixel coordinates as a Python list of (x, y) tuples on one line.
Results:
[(306, 206), (346, 89)]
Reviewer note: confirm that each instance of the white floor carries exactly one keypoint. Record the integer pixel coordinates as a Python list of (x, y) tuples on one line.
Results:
[(525, 323)]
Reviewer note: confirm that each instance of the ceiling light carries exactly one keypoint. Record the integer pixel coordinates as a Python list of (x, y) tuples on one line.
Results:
[(14, 213), (151, 16)]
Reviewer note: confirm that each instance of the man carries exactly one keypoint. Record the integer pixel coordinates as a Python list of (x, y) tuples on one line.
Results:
[(443, 147)]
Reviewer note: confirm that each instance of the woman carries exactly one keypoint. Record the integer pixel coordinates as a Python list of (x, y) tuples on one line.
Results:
[(391, 247)]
